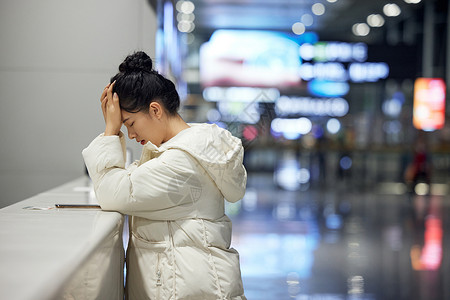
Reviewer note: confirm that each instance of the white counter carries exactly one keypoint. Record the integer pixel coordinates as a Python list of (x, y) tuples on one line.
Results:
[(61, 253)]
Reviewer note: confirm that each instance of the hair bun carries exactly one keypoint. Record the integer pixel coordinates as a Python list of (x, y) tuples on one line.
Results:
[(136, 62)]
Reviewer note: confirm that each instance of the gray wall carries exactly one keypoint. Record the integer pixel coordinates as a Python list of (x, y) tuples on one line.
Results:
[(56, 56)]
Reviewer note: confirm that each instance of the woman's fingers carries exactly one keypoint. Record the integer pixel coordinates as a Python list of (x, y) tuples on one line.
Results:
[(113, 117), (105, 90), (113, 99), (104, 100), (109, 91)]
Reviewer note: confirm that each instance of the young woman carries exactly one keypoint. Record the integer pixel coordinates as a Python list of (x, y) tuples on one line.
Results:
[(180, 237)]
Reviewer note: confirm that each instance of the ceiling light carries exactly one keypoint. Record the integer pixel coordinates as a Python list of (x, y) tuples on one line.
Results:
[(186, 7), (318, 9), (361, 29), (306, 51), (185, 17), (185, 26), (298, 28), (333, 126), (391, 10), (412, 1), (331, 1), (375, 20), (307, 19)]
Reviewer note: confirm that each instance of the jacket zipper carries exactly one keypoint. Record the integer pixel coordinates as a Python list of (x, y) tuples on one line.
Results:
[(158, 278)]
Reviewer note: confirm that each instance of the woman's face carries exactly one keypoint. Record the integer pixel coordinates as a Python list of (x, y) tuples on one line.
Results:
[(144, 126)]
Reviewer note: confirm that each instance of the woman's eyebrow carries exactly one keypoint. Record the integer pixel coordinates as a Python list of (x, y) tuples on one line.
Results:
[(125, 120)]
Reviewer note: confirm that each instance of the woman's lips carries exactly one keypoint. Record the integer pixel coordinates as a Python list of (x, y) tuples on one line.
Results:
[(142, 142)]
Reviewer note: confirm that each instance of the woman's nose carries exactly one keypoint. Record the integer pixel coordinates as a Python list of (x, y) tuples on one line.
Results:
[(131, 134)]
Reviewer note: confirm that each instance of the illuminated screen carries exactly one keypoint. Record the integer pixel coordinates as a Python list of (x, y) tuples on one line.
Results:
[(249, 58), (429, 104)]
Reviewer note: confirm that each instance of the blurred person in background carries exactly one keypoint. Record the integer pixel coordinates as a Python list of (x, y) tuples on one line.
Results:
[(419, 170)]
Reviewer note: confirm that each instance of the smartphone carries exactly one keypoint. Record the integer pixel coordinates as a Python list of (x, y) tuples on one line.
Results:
[(77, 206)]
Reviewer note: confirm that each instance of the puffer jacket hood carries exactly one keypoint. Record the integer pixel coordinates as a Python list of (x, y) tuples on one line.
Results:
[(218, 152)]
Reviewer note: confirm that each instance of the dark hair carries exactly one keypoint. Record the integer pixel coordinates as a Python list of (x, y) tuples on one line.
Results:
[(138, 84)]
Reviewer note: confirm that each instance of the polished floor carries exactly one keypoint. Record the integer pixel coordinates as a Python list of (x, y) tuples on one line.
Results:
[(338, 242)]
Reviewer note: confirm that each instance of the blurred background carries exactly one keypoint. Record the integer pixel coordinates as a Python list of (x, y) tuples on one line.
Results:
[(341, 106)]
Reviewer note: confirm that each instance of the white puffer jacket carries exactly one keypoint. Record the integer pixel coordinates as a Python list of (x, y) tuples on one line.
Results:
[(180, 236)]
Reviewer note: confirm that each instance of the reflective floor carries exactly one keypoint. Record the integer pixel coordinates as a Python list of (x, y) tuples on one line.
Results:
[(341, 243)]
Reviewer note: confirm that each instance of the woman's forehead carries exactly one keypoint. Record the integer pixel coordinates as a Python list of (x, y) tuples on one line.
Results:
[(125, 115), (130, 115)]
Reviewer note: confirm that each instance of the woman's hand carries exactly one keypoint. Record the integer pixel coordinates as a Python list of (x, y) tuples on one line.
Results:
[(111, 111)]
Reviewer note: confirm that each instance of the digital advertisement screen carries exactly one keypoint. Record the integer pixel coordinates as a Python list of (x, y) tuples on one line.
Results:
[(429, 104), (249, 58)]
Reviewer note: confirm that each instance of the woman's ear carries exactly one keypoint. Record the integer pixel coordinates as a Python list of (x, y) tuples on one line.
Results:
[(155, 110)]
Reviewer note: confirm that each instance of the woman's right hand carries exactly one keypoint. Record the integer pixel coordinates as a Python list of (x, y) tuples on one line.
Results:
[(111, 110), (103, 99)]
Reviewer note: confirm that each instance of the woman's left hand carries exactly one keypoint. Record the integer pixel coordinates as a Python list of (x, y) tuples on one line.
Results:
[(111, 111)]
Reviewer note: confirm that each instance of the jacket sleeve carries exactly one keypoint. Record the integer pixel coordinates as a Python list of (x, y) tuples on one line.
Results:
[(150, 187)]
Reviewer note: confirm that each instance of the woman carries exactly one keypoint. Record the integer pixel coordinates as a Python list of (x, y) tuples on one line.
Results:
[(180, 238)]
